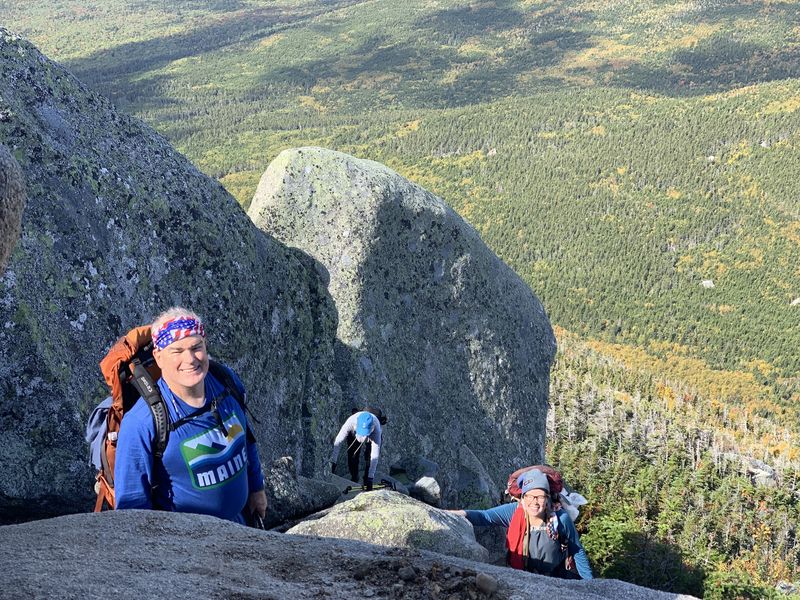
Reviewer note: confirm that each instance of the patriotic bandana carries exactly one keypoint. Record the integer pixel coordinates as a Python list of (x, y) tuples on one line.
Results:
[(176, 329)]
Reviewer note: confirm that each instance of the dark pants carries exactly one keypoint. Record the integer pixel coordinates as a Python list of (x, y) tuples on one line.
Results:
[(354, 453), (560, 571), (563, 573)]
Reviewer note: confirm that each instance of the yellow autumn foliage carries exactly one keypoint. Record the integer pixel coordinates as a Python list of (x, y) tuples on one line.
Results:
[(408, 127), (241, 184), (271, 40), (311, 102), (743, 150)]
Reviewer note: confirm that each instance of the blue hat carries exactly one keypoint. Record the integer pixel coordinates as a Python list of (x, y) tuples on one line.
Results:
[(365, 424), (533, 480)]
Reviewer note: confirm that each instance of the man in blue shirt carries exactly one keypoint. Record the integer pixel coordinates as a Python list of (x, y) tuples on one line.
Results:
[(209, 466)]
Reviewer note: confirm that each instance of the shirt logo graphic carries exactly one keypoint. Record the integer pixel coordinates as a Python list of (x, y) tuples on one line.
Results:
[(213, 458)]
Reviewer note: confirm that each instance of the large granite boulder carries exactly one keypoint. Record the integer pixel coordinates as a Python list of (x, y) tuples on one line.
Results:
[(198, 555), (433, 327), (391, 519), (118, 227), (12, 201)]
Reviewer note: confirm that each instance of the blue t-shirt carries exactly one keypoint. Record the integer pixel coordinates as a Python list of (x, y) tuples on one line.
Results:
[(202, 470)]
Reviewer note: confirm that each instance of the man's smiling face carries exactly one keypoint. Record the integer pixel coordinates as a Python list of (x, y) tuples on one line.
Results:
[(184, 365)]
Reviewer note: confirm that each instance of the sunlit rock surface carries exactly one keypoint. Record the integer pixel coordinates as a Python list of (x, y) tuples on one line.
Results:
[(388, 518), (432, 325), (200, 555)]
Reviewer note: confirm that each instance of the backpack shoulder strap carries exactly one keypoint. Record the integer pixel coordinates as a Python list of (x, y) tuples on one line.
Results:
[(561, 535), (222, 374), (149, 391)]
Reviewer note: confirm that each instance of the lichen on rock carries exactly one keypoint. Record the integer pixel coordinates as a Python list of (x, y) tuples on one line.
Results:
[(118, 227), (388, 518), (433, 327)]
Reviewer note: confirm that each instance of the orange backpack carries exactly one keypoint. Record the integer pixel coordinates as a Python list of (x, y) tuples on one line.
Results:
[(130, 372)]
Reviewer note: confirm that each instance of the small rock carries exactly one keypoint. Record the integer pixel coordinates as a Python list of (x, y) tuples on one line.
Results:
[(407, 573), (360, 572), (428, 490), (450, 586), (404, 523), (486, 583)]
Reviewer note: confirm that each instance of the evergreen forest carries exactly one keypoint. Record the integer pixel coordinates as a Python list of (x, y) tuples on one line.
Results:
[(634, 162)]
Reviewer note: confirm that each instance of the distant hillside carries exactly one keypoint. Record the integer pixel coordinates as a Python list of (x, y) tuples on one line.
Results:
[(622, 156)]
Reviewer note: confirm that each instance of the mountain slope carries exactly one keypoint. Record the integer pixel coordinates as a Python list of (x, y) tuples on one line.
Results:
[(616, 154)]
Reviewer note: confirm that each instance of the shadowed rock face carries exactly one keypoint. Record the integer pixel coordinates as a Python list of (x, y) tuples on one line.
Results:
[(392, 519), (432, 325), (118, 227), (12, 201), (59, 558), (290, 496)]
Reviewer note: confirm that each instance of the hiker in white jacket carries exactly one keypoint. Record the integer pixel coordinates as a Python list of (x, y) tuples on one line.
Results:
[(361, 429)]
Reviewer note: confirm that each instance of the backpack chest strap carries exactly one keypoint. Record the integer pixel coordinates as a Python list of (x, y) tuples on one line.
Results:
[(212, 407)]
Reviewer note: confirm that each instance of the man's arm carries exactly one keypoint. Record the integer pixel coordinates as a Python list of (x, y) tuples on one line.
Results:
[(257, 499), (255, 477), (133, 470)]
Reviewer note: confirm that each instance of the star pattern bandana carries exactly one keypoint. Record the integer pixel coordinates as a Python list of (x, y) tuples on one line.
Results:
[(177, 329)]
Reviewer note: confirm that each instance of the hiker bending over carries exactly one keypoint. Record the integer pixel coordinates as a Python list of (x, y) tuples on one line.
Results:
[(538, 539), (362, 429), (209, 465)]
